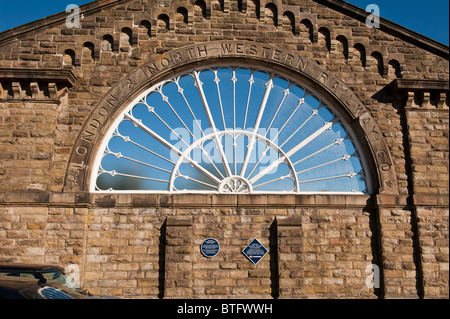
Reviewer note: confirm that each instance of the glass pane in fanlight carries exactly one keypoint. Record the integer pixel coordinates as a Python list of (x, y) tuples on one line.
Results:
[(166, 141)]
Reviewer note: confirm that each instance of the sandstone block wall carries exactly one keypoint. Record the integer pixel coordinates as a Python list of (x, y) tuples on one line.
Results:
[(52, 79)]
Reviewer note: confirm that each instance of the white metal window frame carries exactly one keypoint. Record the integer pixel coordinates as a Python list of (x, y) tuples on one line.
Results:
[(252, 135)]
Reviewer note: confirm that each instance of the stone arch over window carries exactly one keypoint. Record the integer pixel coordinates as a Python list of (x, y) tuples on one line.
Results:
[(163, 23), (107, 43), (200, 9), (377, 63), (325, 38), (88, 56), (360, 54), (307, 30), (279, 108), (271, 13), (126, 38), (69, 58), (342, 47), (395, 69), (147, 26), (289, 22), (254, 9), (182, 16)]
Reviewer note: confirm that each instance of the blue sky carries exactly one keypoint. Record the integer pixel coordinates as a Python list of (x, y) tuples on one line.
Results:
[(430, 18)]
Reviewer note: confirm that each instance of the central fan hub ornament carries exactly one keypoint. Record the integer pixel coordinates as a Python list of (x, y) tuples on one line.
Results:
[(235, 184)]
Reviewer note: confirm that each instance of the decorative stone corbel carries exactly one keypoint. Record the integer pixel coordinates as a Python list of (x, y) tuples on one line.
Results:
[(410, 99), (426, 100), (34, 88), (421, 94), (116, 44), (17, 91), (135, 36), (77, 61), (441, 98), (97, 52), (52, 91), (35, 85), (154, 26)]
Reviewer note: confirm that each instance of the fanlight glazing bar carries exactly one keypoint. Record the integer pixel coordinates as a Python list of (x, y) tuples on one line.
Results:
[(300, 102), (350, 175), (152, 110), (269, 86), (181, 91), (230, 159), (315, 112), (275, 164), (166, 99), (337, 142), (196, 180), (260, 159), (128, 139), (171, 147), (115, 173), (250, 81), (286, 93), (217, 81), (120, 155), (344, 158), (211, 123), (274, 180)]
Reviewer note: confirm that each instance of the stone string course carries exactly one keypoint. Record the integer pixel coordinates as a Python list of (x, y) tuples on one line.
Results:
[(317, 248), (149, 252)]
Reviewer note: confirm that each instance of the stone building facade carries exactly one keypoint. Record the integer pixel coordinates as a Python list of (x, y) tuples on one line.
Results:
[(62, 88)]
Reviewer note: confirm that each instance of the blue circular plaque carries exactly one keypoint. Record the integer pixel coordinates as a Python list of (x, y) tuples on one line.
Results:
[(210, 247)]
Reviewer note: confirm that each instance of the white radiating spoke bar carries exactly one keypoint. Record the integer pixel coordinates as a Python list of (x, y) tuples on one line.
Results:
[(217, 81), (120, 155), (259, 161), (269, 86), (300, 102), (337, 142), (181, 91), (167, 125), (306, 141), (274, 180), (250, 81), (315, 112), (344, 158), (166, 99), (171, 147), (286, 93), (127, 139), (211, 123), (114, 173), (196, 181), (350, 175)]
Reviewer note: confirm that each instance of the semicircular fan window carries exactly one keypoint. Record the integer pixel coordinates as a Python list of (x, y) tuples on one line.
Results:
[(230, 130)]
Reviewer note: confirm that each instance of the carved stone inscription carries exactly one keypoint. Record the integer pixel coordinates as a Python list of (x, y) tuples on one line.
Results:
[(386, 171), (212, 52)]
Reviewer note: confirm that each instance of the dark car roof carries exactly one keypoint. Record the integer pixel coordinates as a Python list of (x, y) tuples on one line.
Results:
[(17, 283), (33, 267), (26, 288)]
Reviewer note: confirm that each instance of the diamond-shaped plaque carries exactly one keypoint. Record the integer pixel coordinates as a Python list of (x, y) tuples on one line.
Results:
[(255, 251)]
